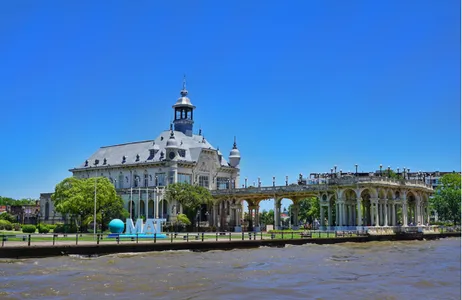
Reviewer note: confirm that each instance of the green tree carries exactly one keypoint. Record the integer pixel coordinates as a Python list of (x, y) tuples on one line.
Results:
[(191, 197), (308, 209), (76, 197), (267, 217), (447, 198)]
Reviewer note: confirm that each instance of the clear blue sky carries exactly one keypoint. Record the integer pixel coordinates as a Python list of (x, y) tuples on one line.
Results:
[(304, 85)]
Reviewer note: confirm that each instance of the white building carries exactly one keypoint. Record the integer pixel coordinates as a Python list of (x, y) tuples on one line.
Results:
[(140, 171)]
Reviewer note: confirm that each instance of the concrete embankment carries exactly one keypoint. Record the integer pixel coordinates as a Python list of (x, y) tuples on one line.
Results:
[(102, 249)]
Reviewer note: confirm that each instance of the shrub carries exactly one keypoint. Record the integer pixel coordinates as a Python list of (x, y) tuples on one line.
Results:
[(43, 228), (17, 226), (3, 224), (29, 228), (8, 227), (65, 228), (52, 226)]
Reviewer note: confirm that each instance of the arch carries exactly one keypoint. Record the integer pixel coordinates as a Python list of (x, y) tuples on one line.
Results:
[(163, 209), (142, 208), (133, 209), (382, 194), (366, 207), (150, 209)]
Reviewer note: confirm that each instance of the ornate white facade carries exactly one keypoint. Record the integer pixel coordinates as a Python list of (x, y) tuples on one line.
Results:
[(140, 171)]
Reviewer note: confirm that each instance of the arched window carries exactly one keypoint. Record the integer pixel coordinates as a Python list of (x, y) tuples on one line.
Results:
[(121, 180)]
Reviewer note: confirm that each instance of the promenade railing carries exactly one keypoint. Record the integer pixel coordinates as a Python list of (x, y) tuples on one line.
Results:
[(55, 239)]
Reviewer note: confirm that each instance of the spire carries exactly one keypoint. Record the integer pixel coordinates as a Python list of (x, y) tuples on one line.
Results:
[(184, 91), (234, 145)]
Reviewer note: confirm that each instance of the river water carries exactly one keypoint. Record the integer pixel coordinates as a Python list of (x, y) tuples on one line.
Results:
[(375, 270)]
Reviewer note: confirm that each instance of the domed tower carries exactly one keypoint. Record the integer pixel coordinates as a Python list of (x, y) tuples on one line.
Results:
[(234, 156), (183, 110), (172, 146)]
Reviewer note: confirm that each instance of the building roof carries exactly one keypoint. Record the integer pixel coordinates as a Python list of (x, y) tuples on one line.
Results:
[(149, 151)]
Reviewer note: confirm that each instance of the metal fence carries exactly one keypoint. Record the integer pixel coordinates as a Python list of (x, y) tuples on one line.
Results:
[(54, 239)]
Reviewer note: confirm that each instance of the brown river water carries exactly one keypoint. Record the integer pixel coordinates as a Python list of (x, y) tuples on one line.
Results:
[(375, 270)]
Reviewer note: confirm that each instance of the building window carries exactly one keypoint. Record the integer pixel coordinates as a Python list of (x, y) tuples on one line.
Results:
[(146, 180), (121, 180), (171, 176), (160, 179), (184, 178), (182, 152), (136, 180), (204, 181), (222, 183)]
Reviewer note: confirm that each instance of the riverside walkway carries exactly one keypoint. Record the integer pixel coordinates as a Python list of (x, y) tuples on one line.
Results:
[(38, 245)]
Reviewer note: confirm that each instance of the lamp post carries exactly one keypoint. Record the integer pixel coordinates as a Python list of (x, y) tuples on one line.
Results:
[(274, 181), (380, 170), (404, 173), (389, 172), (102, 220), (138, 183), (409, 174), (356, 166), (397, 173), (80, 227), (245, 182), (38, 219), (94, 209), (335, 171), (331, 172), (198, 218), (259, 182), (340, 172), (207, 218), (287, 180)]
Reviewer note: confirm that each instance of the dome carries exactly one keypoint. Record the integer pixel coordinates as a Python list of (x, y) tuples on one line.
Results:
[(172, 142), (234, 153), (183, 101)]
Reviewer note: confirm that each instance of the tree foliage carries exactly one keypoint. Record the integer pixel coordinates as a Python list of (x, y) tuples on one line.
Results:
[(182, 219), (11, 201), (309, 209), (191, 197), (76, 197), (447, 198), (267, 217)]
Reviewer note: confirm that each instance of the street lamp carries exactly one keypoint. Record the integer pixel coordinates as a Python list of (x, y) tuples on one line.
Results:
[(198, 217), (335, 170), (409, 174), (207, 218), (340, 172), (274, 181), (380, 170), (287, 180), (404, 173), (356, 166), (389, 172), (397, 172), (259, 182), (80, 227), (245, 182), (331, 172)]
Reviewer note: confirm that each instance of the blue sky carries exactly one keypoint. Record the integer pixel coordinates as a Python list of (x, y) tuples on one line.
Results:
[(303, 85)]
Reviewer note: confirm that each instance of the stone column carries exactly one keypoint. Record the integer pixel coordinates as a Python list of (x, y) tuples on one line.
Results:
[(297, 207), (393, 213), (359, 215), (321, 216), (376, 211), (386, 213), (277, 214), (329, 215)]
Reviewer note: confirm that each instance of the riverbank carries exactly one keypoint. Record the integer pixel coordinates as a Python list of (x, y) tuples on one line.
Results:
[(90, 249)]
